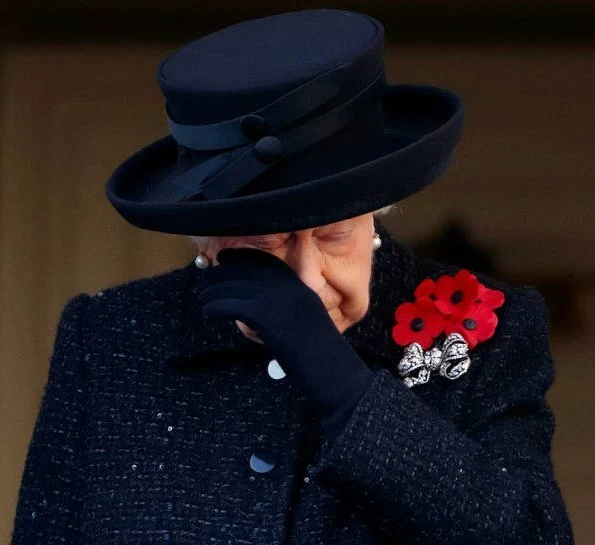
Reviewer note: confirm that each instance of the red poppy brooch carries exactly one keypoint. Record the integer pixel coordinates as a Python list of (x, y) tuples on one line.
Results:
[(457, 312)]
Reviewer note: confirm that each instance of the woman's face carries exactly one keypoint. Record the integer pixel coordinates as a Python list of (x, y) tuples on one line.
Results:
[(334, 260)]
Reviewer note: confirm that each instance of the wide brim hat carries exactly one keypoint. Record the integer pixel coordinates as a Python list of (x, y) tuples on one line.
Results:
[(284, 123)]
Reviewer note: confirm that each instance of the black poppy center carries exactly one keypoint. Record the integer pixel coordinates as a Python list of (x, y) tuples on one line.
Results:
[(417, 324), (456, 297), (469, 323)]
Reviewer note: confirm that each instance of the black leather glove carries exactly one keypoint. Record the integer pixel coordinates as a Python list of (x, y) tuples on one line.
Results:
[(261, 290)]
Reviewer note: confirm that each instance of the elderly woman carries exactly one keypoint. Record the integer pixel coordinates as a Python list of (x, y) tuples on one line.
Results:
[(306, 379)]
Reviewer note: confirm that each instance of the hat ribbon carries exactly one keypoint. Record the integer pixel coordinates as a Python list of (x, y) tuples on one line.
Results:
[(226, 173)]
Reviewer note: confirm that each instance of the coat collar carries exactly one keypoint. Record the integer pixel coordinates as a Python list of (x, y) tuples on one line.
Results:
[(395, 273)]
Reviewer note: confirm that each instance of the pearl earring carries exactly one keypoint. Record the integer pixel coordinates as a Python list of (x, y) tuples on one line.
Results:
[(377, 242), (201, 261)]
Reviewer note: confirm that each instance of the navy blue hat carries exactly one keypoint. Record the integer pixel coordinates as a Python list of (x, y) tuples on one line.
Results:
[(284, 123)]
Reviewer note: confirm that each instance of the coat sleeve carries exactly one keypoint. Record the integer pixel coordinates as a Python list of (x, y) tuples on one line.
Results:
[(419, 478), (51, 486)]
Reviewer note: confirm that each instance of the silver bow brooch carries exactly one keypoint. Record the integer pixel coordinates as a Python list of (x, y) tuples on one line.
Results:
[(450, 362)]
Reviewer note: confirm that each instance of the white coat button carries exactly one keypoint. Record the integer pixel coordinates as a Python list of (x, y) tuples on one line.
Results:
[(275, 371), (263, 460)]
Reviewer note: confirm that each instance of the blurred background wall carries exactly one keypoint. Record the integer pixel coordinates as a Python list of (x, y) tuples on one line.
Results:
[(78, 95)]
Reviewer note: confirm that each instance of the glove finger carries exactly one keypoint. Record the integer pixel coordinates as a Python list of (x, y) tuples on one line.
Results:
[(259, 266), (225, 290), (238, 269), (230, 308), (217, 274), (253, 255)]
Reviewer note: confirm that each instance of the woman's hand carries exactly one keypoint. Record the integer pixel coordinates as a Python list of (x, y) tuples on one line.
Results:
[(263, 291)]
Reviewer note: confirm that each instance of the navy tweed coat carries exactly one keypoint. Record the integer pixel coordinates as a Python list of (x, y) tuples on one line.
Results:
[(151, 414)]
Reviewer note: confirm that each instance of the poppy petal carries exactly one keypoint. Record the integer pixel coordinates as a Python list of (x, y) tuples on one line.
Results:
[(425, 289)]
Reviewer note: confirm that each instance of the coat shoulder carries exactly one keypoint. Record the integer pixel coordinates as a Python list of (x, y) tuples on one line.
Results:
[(131, 317), (143, 285), (515, 366), (146, 295), (519, 351)]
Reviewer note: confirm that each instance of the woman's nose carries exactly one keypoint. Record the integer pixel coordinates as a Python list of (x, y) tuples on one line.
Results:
[(306, 261)]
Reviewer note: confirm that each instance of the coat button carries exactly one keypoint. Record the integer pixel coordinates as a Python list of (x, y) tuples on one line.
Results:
[(275, 371), (263, 460)]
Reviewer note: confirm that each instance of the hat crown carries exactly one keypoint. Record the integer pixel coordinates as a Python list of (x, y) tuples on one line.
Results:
[(283, 123), (246, 66)]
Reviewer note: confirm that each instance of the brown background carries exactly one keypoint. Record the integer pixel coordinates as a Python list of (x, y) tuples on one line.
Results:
[(78, 95)]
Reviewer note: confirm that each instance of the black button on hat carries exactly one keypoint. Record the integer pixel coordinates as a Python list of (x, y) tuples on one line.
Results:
[(254, 126), (268, 149)]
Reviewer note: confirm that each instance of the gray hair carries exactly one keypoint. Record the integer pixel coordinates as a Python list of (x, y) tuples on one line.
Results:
[(201, 241)]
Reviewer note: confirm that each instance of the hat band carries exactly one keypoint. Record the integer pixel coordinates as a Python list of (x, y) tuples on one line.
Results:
[(279, 114), (237, 132), (227, 173)]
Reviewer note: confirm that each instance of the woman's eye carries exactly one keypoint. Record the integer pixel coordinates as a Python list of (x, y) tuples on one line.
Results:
[(270, 244), (336, 237)]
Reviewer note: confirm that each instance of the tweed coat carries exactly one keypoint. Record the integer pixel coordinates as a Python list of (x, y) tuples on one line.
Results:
[(151, 414)]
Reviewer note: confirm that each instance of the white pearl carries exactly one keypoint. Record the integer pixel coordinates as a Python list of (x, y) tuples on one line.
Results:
[(376, 243), (201, 261)]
